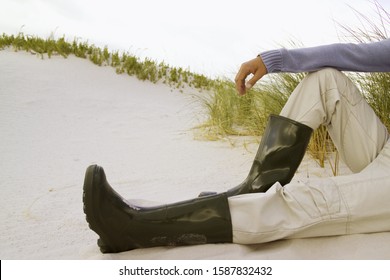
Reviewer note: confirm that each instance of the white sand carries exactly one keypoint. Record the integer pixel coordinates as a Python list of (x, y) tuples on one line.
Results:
[(57, 116)]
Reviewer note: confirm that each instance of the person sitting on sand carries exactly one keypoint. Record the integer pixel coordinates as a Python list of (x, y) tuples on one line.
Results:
[(267, 206)]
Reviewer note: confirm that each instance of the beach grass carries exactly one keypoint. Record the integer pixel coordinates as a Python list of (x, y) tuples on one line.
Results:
[(123, 62)]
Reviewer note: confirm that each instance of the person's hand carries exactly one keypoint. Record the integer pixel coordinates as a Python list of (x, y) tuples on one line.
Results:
[(256, 67)]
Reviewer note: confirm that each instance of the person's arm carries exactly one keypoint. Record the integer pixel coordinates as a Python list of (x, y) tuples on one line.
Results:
[(369, 57)]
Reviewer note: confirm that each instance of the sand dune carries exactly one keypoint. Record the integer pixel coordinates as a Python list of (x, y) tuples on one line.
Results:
[(57, 116)]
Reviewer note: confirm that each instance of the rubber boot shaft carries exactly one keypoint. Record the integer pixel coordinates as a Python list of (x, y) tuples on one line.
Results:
[(280, 152), (122, 226)]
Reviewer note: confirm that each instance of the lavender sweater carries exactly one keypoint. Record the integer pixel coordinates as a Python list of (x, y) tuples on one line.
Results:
[(369, 57)]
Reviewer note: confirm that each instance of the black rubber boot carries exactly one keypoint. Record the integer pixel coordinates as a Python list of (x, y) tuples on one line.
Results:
[(123, 227), (280, 152)]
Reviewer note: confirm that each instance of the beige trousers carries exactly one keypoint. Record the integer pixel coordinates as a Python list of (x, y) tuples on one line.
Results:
[(357, 203)]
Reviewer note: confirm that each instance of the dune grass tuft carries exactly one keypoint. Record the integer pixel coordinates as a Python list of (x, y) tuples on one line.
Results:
[(124, 62)]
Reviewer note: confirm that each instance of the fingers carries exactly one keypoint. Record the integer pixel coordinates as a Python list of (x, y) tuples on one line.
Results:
[(240, 80), (241, 77), (256, 77), (255, 67)]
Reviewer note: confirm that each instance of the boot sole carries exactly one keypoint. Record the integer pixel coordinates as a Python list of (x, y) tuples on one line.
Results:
[(88, 208)]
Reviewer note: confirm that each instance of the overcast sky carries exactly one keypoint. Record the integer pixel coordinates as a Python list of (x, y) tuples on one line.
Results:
[(208, 36)]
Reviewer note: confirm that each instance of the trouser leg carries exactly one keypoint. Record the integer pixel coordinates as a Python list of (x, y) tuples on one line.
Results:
[(357, 203), (330, 98)]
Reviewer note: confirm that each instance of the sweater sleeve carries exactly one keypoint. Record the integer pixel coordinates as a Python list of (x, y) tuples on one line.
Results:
[(364, 57)]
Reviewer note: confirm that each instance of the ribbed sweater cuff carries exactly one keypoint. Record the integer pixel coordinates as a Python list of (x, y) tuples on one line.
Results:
[(272, 60)]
